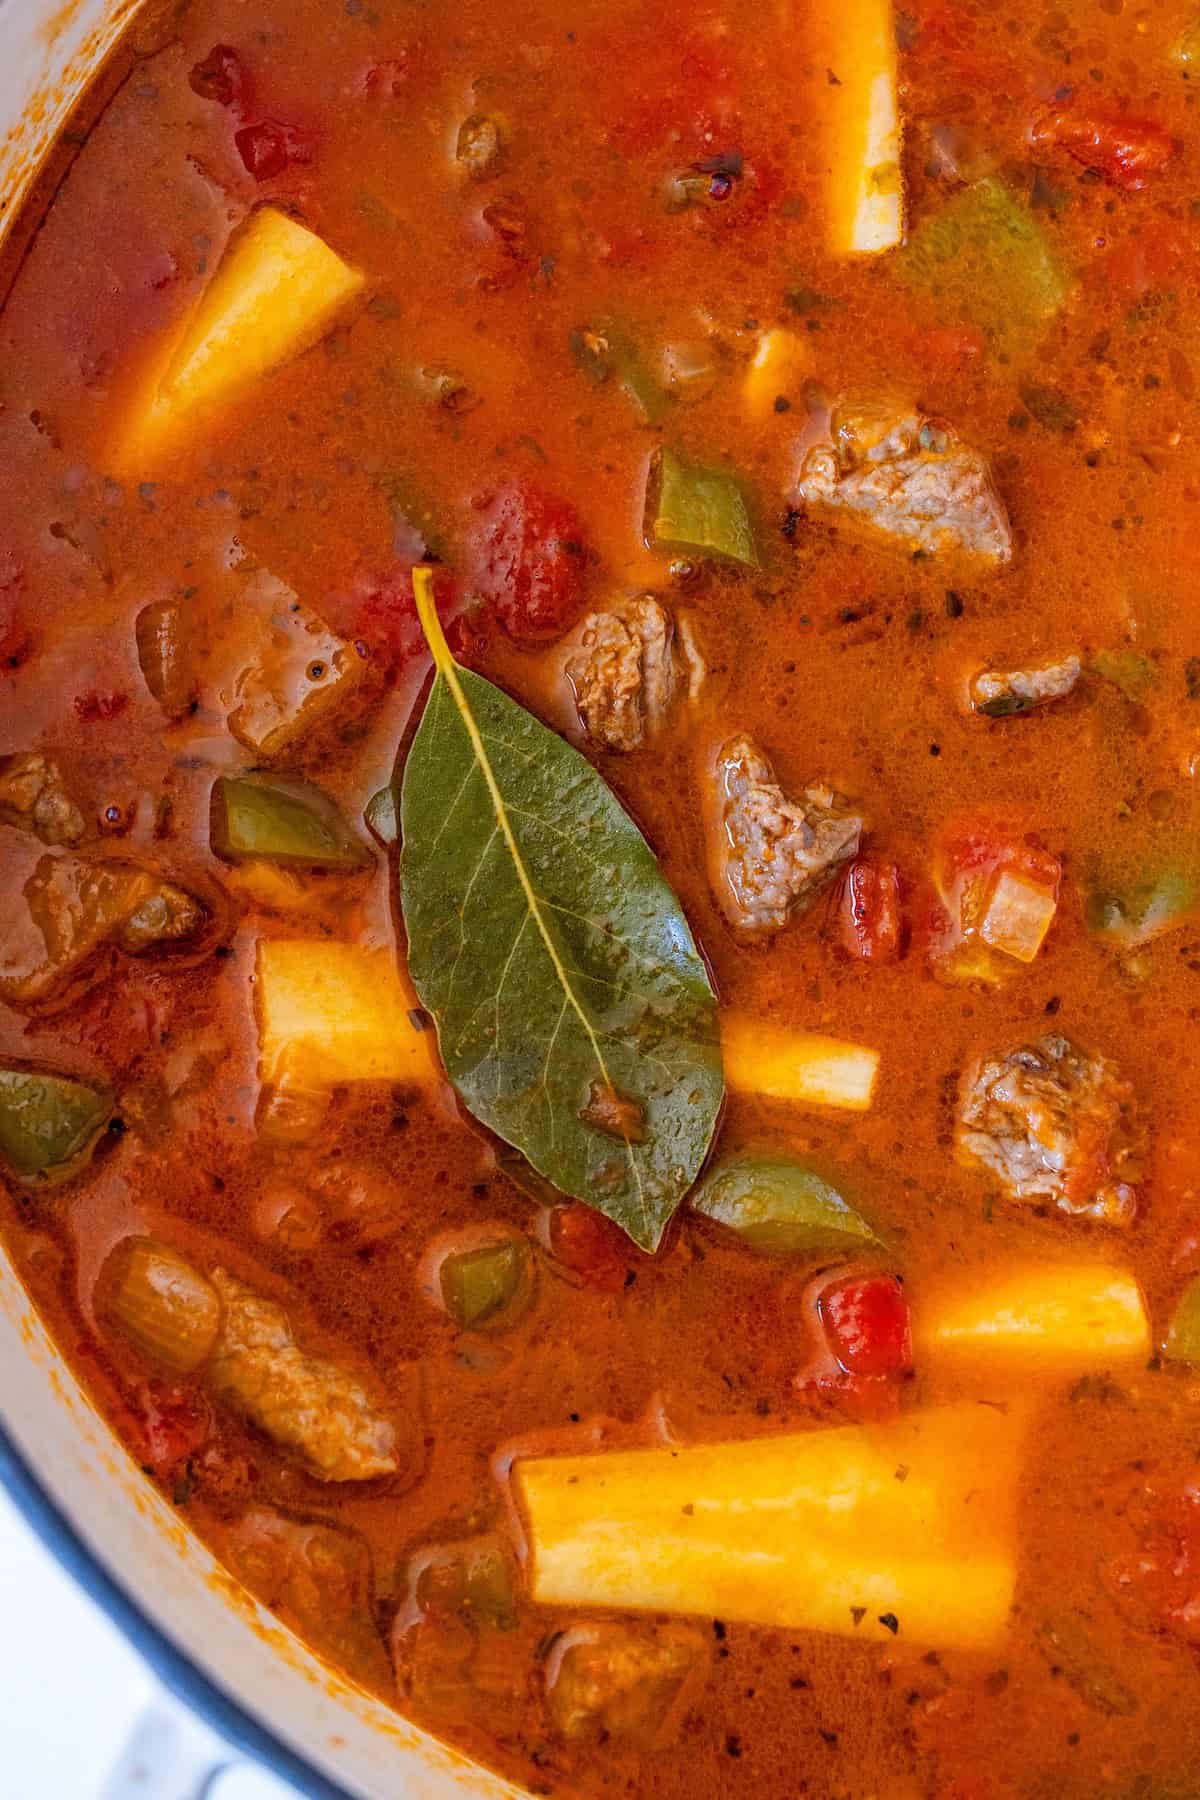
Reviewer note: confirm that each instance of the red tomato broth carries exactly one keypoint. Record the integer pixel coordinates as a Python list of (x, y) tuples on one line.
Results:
[(848, 665)]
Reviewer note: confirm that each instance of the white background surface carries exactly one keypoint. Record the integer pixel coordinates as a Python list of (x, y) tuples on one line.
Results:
[(72, 1689)]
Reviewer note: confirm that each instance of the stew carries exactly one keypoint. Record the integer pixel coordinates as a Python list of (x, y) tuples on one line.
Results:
[(600, 864)]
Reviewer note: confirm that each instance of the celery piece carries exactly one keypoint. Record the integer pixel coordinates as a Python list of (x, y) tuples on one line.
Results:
[(1135, 915), (47, 1122), (774, 1204), (1183, 1338), (280, 821), (692, 508), (477, 1285), (985, 257), (380, 814), (161, 1303)]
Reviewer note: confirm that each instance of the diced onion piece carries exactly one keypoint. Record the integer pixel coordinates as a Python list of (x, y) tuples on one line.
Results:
[(161, 1304), (293, 1104), (331, 1012), (1018, 914), (802, 1066), (1057, 1319), (866, 184), (276, 289), (806, 1532), (269, 887), (781, 362)]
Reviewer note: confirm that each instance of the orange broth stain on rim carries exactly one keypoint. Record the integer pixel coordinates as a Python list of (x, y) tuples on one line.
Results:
[(27, 146)]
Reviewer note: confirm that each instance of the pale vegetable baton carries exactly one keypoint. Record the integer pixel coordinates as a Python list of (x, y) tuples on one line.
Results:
[(907, 1529)]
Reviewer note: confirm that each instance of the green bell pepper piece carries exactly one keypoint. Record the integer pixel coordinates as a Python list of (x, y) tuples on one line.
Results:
[(983, 256), (288, 822), (1183, 1339), (1133, 674), (478, 1285), (703, 510), (606, 353), (779, 1206), (1135, 915), (48, 1122)]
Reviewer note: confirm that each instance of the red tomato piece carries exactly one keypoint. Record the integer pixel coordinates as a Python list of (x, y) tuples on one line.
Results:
[(1159, 1582), (269, 149), (98, 709), (869, 912), (529, 562), (1128, 152), (867, 1325), (379, 611), (175, 1422), (387, 80), (590, 1246), (221, 77), (1152, 259)]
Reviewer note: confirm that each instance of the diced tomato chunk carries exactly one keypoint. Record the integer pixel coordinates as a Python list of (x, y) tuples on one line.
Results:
[(866, 1322), (387, 80), (379, 611), (861, 1345), (222, 77), (1141, 263), (98, 709), (1158, 1583), (1127, 152), (869, 913), (175, 1422), (590, 1245), (529, 561), (269, 149)]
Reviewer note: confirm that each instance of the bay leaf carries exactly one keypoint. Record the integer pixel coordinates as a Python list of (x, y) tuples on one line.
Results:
[(777, 1205), (574, 1014)]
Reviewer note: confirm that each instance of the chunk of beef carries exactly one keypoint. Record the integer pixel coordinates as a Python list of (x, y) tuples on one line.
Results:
[(622, 1681), (1052, 1123), (319, 1578), (72, 909), (775, 853), (628, 670), (306, 1403), (905, 479), (999, 693), (34, 795)]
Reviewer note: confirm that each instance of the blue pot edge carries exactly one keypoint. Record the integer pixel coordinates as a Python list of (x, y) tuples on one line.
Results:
[(178, 1674)]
